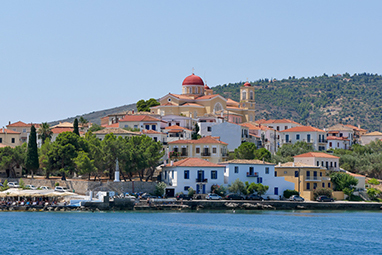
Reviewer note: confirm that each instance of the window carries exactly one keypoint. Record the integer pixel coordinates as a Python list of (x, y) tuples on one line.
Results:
[(275, 173), (308, 138), (335, 164), (276, 191), (155, 139), (285, 172), (214, 150), (298, 137), (251, 170), (322, 163), (267, 170), (318, 163), (287, 138), (13, 140), (175, 149), (331, 164), (323, 184), (126, 126), (286, 127), (186, 188), (169, 99), (295, 173), (24, 130), (177, 123), (153, 127), (209, 129), (135, 126), (328, 184), (214, 175), (251, 95), (278, 128), (1, 140), (147, 127), (260, 180), (320, 174), (236, 169), (186, 174), (197, 150), (308, 185)]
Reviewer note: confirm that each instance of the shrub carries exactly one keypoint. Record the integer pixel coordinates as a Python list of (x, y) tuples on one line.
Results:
[(237, 187), (160, 188), (22, 184), (373, 193), (56, 184), (290, 192), (191, 192), (322, 192), (373, 181), (218, 189)]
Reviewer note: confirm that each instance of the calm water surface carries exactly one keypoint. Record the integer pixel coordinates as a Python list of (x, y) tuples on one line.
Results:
[(265, 232)]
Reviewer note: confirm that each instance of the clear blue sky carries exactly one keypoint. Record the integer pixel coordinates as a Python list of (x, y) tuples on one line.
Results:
[(64, 58)]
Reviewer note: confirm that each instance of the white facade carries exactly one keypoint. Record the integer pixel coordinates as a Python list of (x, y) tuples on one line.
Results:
[(328, 161), (337, 143), (176, 120), (371, 137), (305, 134), (257, 172), (232, 134)]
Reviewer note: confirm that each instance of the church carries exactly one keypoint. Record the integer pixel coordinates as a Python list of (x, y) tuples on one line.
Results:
[(198, 100)]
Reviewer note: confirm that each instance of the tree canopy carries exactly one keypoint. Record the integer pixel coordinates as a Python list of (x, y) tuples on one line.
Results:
[(144, 106)]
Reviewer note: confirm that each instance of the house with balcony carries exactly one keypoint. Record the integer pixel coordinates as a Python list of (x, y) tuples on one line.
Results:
[(335, 142), (325, 160), (206, 123), (207, 148), (263, 136), (306, 178), (194, 173), (256, 171), (176, 120), (314, 136), (141, 122), (279, 124), (176, 132), (232, 134), (341, 131)]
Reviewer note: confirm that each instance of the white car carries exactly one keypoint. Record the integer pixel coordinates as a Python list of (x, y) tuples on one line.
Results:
[(45, 187), (61, 189), (212, 196), (13, 185), (30, 187)]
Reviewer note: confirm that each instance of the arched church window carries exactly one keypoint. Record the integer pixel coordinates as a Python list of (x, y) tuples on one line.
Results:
[(244, 95), (218, 107), (251, 95)]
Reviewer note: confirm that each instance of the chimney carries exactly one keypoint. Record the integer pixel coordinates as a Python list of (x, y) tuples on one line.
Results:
[(171, 163), (359, 126), (263, 161), (293, 164), (279, 163), (9, 123)]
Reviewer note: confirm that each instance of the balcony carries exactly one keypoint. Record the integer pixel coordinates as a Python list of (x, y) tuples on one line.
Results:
[(308, 140), (201, 180), (313, 178), (322, 141), (184, 154), (206, 154), (252, 174)]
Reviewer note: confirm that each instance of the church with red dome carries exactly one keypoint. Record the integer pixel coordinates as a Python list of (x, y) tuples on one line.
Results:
[(198, 100)]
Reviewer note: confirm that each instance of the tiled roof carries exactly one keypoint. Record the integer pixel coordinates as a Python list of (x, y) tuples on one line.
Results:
[(8, 131), (192, 104), (374, 133), (60, 130), (297, 164), (116, 131), (22, 124), (337, 138), (263, 121), (203, 140), (181, 96), (316, 155), (135, 118), (176, 127), (151, 132), (114, 125), (208, 96), (339, 127), (197, 162), (355, 175), (246, 161), (356, 128), (232, 102), (64, 125), (303, 129)]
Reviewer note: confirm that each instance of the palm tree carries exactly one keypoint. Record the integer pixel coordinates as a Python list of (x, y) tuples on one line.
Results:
[(45, 132)]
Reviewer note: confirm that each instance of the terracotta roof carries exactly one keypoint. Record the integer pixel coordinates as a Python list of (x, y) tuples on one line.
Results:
[(8, 131), (177, 127), (22, 124), (356, 128), (337, 138), (339, 127), (246, 161), (232, 102), (374, 133), (64, 125), (355, 175), (203, 140), (297, 164), (181, 96), (60, 130), (151, 132), (116, 131), (197, 162), (316, 155), (192, 104), (135, 118), (207, 96), (114, 125), (263, 121), (303, 129), (250, 126)]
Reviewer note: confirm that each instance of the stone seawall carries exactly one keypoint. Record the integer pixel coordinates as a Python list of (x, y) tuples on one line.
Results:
[(83, 186)]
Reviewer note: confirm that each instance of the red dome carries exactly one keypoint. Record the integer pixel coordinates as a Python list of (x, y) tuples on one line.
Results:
[(206, 87), (247, 84), (193, 80)]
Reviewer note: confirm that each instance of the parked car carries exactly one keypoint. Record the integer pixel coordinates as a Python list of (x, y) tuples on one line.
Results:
[(325, 199), (61, 189), (1, 185), (296, 198), (234, 196), (183, 196), (30, 187), (213, 196), (13, 185), (45, 187), (254, 197)]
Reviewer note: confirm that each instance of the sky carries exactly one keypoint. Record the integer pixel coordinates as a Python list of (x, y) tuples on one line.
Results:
[(60, 59)]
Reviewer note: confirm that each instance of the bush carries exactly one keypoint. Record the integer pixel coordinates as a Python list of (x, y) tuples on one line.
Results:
[(373, 181), (290, 192), (22, 184), (322, 192), (237, 187), (191, 192), (160, 188), (373, 193), (218, 189), (56, 184)]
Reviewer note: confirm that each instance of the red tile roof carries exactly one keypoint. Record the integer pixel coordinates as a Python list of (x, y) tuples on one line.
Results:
[(316, 155), (8, 131), (22, 124), (61, 130), (135, 118), (176, 127), (303, 129), (197, 162), (263, 121), (356, 128), (203, 140), (114, 125), (151, 132), (337, 138)]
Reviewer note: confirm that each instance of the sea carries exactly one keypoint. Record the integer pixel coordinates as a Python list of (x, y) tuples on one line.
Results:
[(204, 232)]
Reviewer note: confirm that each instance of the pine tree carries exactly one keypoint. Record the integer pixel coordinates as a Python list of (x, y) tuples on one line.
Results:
[(75, 127), (31, 160)]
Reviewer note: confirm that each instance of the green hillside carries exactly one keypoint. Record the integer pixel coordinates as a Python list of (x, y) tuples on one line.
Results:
[(318, 101)]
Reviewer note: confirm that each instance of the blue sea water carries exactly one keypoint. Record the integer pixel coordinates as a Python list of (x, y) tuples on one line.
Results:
[(260, 232)]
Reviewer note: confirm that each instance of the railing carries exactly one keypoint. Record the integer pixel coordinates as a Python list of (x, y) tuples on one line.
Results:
[(322, 141), (252, 175), (206, 154), (326, 178), (201, 180), (312, 178)]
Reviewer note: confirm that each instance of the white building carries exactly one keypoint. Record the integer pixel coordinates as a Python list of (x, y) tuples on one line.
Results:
[(232, 134), (340, 131), (335, 142), (206, 123), (371, 137), (328, 161), (176, 120), (314, 136), (100, 134), (194, 173), (176, 132), (256, 171), (141, 122)]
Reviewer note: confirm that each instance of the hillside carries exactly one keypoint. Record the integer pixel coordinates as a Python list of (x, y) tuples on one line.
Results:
[(318, 101)]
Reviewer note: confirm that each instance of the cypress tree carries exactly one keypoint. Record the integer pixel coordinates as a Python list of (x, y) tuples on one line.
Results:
[(75, 126), (31, 160)]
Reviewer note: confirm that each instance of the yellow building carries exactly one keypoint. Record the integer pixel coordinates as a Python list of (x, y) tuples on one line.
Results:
[(306, 178), (198, 100), (9, 137)]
